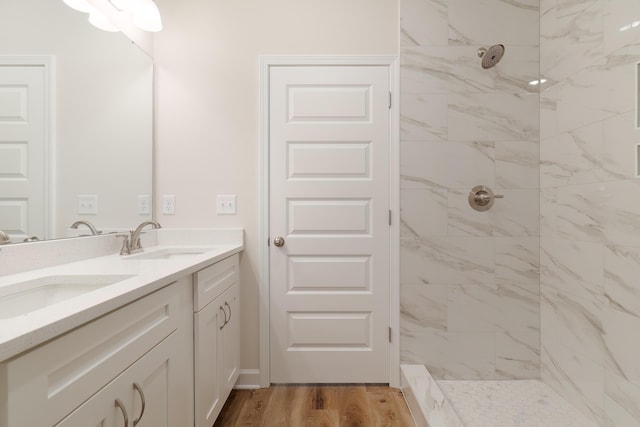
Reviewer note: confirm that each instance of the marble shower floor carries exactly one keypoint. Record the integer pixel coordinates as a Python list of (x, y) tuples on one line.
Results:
[(521, 403)]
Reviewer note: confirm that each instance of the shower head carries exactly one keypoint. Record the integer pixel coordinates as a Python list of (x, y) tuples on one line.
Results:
[(491, 56)]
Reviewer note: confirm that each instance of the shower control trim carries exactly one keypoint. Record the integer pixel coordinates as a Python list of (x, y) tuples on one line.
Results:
[(481, 198)]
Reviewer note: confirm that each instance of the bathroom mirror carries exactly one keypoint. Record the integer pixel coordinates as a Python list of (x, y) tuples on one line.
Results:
[(98, 96)]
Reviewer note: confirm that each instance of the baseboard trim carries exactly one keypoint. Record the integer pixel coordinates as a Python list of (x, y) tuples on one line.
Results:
[(248, 379)]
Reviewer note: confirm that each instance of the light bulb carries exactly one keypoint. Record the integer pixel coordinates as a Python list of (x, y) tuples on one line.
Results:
[(79, 5), (98, 20), (147, 16)]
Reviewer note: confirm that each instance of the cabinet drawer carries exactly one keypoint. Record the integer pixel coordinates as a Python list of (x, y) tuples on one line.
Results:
[(212, 281), (50, 381)]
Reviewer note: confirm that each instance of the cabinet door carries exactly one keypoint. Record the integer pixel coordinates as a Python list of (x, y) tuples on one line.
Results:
[(120, 398), (230, 349), (208, 335)]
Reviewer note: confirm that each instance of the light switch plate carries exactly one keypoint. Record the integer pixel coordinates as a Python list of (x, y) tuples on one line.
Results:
[(226, 205), (87, 205)]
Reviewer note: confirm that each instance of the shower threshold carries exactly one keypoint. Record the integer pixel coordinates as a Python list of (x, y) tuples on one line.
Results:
[(509, 403)]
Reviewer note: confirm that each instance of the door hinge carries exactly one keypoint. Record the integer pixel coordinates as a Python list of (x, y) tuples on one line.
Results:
[(389, 99), (389, 333), (389, 216), (268, 241)]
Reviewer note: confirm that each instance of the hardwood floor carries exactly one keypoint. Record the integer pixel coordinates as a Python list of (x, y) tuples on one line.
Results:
[(316, 406)]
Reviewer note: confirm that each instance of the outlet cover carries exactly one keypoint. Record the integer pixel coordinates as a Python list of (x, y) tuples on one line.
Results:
[(169, 205), (87, 205), (144, 204), (226, 205)]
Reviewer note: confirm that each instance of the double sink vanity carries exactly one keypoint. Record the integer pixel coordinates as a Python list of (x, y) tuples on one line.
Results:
[(92, 337)]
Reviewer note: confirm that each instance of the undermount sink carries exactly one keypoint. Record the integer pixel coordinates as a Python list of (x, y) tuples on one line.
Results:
[(170, 253), (24, 297)]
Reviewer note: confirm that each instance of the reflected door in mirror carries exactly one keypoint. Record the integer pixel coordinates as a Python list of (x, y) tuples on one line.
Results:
[(22, 151)]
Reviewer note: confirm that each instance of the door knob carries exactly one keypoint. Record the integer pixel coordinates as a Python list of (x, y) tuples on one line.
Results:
[(278, 241)]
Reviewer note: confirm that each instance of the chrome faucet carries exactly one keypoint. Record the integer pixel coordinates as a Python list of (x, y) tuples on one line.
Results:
[(134, 242), (4, 238), (94, 230)]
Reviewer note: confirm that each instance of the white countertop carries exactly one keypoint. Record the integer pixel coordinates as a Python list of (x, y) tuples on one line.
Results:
[(20, 333)]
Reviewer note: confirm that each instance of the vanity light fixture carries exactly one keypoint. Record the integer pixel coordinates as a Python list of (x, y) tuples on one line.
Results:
[(144, 14), (100, 21)]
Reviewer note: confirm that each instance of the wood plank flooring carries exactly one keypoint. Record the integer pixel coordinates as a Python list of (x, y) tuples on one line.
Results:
[(316, 406)]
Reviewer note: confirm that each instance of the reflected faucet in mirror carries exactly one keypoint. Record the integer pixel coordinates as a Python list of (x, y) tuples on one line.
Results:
[(94, 230), (132, 245)]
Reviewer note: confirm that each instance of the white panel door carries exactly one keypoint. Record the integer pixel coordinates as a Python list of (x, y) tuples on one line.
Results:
[(22, 151), (329, 201)]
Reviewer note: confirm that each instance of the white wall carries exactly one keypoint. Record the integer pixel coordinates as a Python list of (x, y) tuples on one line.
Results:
[(207, 112)]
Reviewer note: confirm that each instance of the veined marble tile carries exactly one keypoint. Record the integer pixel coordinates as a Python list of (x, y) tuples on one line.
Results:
[(619, 147), (463, 220), (423, 117), (621, 219), (518, 355), (493, 117), (474, 308), (548, 212), (547, 5), (447, 260), (424, 211), (575, 268), (424, 23), (428, 404), (621, 338), (599, 91), (490, 22), (444, 69), (574, 376), (581, 212), (518, 262), (575, 321), (450, 355), (517, 214), (621, 272), (514, 215), (423, 165), (470, 163), (442, 165), (424, 306), (517, 69), (571, 37), (619, 20), (572, 157), (517, 164), (549, 97), (621, 399)]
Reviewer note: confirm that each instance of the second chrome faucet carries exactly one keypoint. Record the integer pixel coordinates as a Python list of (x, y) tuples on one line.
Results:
[(131, 243)]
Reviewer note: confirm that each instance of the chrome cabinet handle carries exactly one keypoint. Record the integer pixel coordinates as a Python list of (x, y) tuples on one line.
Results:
[(225, 317), (227, 304), (120, 405), (138, 388), (278, 241)]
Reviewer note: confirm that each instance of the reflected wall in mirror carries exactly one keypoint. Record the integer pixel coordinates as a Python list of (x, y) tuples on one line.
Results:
[(94, 116)]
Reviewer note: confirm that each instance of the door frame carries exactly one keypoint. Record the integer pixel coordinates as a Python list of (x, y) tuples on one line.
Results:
[(266, 63), (47, 62)]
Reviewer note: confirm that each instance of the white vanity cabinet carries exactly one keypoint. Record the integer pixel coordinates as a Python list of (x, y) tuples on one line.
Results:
[(99, 372), (216, 337)]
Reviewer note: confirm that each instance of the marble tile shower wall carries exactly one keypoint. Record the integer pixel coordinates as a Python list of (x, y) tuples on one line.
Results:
[(590, 206), (470, 300)]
